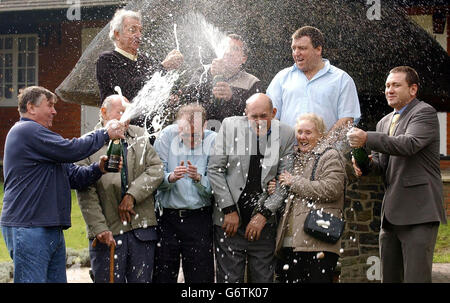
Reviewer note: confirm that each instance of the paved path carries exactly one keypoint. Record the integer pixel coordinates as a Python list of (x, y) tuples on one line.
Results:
[(441, 274)]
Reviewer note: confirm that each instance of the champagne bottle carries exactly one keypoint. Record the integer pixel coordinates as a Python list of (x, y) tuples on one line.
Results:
[(361, 159), (114, 153)]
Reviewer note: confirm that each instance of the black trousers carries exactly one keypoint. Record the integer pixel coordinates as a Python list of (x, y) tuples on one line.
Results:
[(305, 267), (233, 254), (406, 252), (189, 235), (135, 257)]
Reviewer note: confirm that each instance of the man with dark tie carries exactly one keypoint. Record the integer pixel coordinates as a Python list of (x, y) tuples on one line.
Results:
[(405, 151), (249, 151)]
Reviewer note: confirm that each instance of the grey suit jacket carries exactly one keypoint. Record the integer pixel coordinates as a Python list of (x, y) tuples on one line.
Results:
[(229, 166), (409, 162)]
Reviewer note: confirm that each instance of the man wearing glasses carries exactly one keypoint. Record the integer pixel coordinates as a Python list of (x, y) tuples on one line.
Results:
[(184, 199)]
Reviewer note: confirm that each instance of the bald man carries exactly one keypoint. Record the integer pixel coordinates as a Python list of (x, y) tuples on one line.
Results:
[(250, 151), (119, 209)]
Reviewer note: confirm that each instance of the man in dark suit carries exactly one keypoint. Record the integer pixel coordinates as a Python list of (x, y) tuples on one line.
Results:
[(405, 151)]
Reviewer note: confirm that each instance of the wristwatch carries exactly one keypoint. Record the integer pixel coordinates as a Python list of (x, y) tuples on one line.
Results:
[(267, 213), (199, 179)]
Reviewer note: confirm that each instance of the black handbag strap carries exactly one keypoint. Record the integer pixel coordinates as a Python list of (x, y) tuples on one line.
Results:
[(316, 161)]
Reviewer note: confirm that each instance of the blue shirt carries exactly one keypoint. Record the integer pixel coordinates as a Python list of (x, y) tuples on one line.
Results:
[(401, 110), (39, 173), (184, 193), (330, 94)]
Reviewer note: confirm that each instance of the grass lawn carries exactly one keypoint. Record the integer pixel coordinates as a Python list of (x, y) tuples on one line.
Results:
[(442, 249), (76, 235)]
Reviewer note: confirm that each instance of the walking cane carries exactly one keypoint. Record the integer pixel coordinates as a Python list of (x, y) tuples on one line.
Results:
[(111, 259)]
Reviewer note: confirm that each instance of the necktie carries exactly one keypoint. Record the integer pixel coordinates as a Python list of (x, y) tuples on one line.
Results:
[(393, 123), (124, 171)]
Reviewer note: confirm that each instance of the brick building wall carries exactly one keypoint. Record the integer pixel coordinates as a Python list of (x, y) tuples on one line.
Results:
[(445, 169), (56, 60), (58, 54), (446, 182), (8, 116)]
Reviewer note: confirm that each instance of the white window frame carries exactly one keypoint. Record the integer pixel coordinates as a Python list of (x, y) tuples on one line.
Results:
[(442, 116), (12, 102)]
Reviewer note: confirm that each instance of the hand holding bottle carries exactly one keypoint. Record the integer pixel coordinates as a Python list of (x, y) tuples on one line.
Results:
[(361, 162), (356, 137), (222, 91), (103, 163), (357, 169), (173, 60), (115, 129)]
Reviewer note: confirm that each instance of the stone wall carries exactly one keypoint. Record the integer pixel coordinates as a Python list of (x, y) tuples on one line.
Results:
[(360, 257)]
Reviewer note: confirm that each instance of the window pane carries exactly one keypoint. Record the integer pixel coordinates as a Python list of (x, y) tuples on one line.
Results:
[(8, 75), (1, 78), (22, 60), (8, 91), (21, 75), (1, 91), (1, 61), (1, 43), (22, 44), (31, 44), (31, 79), (20, 86), (8, 43), (8, 60), (31, 60)]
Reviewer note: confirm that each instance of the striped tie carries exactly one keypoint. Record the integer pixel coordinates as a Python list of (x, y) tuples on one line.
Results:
[(393, 123)]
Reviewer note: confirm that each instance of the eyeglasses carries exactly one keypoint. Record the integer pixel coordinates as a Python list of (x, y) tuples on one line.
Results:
[(133, 29)]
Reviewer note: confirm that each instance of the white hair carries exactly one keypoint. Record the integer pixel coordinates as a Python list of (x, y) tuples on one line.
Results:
[(116, 24), (107, 104)]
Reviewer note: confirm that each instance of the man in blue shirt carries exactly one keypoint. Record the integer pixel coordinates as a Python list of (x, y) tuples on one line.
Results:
[(313, 85), (39, 173), (184, 198)]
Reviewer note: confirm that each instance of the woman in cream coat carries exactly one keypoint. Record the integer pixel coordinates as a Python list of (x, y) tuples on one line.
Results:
[(302, 257)]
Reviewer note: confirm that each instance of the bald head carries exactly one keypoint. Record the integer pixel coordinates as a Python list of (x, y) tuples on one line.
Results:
[(260, 112), (259, 100), (115, 99), (113, 107)]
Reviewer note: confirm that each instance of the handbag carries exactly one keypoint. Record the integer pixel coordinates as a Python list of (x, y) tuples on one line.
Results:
[(322, 225)]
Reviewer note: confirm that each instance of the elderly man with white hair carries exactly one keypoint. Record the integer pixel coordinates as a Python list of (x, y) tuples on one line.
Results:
[(120, 209), (125, 66)]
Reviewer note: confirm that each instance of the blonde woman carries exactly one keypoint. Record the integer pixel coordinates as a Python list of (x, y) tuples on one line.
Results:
[(304, 258)]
